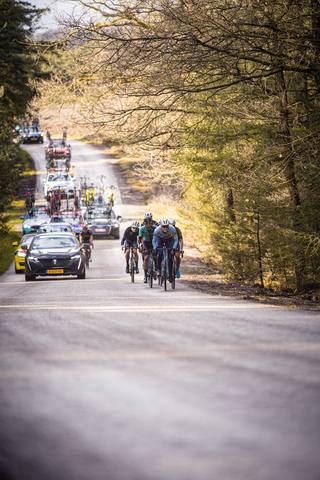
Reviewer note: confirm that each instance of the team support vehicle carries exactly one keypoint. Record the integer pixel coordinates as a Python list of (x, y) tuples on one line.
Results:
[(103, 222), (59, 181), (34, 218), (54, 254), (75, 219), (31, 134), (20, 251), (57, 149)]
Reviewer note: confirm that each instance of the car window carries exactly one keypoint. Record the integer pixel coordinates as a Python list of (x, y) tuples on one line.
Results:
[(54, 242), (25, 242)]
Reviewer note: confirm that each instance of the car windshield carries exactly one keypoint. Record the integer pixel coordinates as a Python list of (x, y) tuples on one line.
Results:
[(59, 177), (54, 242), (101, 214), (51, 227), (25, 242), (71, 219), (45, 212)]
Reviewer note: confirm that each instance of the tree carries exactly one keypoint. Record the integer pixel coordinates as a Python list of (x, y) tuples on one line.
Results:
[(20, 65)]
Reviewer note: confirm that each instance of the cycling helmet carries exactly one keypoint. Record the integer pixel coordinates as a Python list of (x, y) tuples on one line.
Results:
[(164, 222), (172, 222), (85, 227), (148, 214), (135, 224), (147, 219)]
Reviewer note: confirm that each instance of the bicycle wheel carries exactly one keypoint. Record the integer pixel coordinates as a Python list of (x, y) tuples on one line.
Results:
[(132, 267), (150, 272), (164, 274)]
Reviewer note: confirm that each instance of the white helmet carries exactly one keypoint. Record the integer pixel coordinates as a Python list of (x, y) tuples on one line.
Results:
[(135, 224), (172, 222), (163, 222), (148, 214)]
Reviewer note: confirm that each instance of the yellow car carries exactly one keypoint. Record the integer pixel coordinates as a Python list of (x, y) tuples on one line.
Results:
[(20, 251)]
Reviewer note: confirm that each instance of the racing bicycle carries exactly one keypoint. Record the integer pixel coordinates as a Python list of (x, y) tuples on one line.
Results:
[(164, 272), (132, 264), (87, 251), (151, 274)]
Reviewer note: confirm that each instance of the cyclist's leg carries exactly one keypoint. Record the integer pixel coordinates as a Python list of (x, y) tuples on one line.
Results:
[(135, 254), (127, 253), (159, 254), (169, 244), (146, 256), (177, 260)]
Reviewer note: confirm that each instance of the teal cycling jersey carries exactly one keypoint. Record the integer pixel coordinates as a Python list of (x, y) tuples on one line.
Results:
[(146, 234), (171, 232)]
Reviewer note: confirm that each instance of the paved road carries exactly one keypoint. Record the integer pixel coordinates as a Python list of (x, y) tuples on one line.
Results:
[(102, 379)]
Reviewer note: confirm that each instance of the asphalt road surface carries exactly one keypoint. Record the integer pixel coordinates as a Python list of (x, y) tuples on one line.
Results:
[(102, 379)]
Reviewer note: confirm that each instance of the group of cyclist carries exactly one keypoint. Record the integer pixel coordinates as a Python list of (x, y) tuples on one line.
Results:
[(150, 238), (146, 239)]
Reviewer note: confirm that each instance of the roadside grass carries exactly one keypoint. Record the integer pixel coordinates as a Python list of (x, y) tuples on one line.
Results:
[(14, 235)]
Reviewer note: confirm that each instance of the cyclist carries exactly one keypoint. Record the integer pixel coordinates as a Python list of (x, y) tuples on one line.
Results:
[(145, 236), (165, 234), (86, 237), (130, 239), (153, 222), (179, 249)]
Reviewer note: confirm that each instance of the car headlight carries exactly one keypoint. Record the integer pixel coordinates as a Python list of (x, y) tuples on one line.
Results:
[(33, 259), (21, 254), (75, 256), (26, 226), (116, 225)]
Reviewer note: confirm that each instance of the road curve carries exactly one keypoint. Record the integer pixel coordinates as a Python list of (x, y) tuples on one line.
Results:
[(103, 379)]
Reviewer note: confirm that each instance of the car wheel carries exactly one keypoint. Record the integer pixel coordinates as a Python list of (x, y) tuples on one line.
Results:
[(82, 276), (29, 278)]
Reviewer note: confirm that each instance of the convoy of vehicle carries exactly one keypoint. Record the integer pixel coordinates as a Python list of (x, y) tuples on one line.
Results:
[(50, 244)]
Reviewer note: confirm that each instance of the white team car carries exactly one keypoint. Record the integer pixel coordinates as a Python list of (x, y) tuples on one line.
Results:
[(60, 181)]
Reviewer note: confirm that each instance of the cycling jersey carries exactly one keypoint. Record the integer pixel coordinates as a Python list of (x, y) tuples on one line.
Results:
[(129, 236), (170, 233), (178, 233), (86, 236), (147, 235)]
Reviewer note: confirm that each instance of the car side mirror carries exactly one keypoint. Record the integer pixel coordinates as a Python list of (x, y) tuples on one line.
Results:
[(21, 217), (119, 217), (44, 180), (15, 244)]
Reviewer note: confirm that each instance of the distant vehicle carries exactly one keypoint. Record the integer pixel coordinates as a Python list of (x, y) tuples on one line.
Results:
[(54, 254), (34, 218), (59, 181), (20, 252), (60, 165), (55, 227), (74, 219), (103, 222), (31, 135), (57, 148)]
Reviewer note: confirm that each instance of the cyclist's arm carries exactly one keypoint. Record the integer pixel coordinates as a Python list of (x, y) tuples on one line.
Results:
[(175, 238)]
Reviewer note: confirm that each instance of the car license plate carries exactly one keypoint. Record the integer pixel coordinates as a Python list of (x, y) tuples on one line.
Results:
[(100, 229), (34, 138), (55, 271)]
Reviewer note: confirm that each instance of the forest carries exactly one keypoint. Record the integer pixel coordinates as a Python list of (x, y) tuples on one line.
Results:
[(220, 102)]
